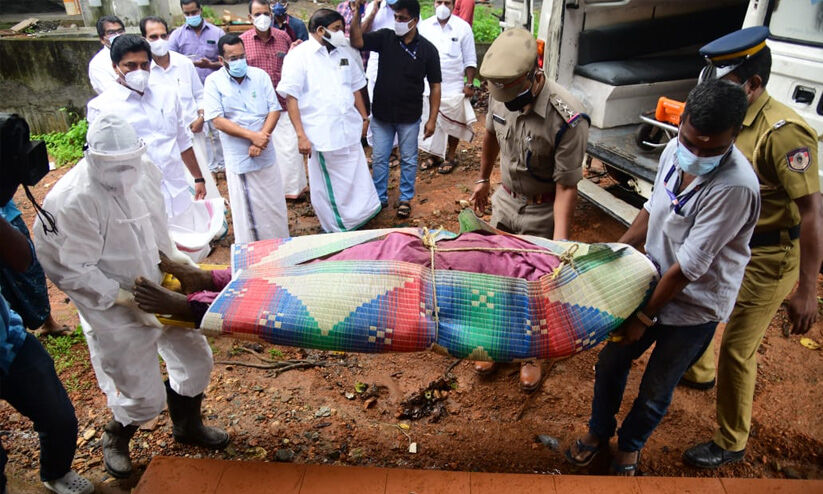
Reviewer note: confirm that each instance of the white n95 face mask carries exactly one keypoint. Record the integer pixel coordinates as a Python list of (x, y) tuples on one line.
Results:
[(442, 12), (137, 79), (336, 38), (402, 28), (159, 47), (262, 22)]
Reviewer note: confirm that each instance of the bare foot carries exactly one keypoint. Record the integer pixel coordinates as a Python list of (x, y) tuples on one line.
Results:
[(191, 279), (155, 299), (52, 327)]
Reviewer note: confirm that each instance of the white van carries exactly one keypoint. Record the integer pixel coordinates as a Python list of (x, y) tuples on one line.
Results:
[(619, 56)]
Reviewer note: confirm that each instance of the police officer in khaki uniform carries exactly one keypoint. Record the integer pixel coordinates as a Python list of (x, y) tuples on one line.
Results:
[(787, 240), (540, 132)]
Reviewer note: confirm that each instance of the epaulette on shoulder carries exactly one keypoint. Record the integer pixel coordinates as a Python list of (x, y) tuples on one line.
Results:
[(567, 113)]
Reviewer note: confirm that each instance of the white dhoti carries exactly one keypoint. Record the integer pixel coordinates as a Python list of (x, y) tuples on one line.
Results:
[(342, 191), (455, 119), (124, 357), (201, 152), (258, 206), (289, 159), (192, 224)]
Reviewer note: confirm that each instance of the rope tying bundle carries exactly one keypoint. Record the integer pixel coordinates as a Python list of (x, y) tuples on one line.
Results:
[(429, 240)]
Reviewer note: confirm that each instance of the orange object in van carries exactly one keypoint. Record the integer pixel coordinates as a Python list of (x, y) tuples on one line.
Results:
[(669, 110)]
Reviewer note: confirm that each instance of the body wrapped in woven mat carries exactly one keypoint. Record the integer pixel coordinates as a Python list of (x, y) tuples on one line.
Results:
[(480, 295)]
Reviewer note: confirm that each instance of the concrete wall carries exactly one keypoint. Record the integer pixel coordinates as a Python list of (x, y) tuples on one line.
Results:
[(130, 13), (40, 76)]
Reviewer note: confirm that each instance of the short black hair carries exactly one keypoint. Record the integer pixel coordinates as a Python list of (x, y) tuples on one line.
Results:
[(325, 18), (128, 43), (759, 64), (411, 6), (265, 3), (230, 39), (715, 106), (101, 30), (186, 2), (152, 18)]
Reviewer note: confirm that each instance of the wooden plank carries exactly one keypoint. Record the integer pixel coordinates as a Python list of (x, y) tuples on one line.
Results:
[(22, 25), (618, 209)]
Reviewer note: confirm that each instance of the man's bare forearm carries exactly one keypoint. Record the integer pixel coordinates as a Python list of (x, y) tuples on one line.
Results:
[(355, 31), (14, 249), (488, 153), (565, 198), (271, 122), (223, 124), (190, 160), (293, 108), (434, 101), (636, 234), (811, 229)]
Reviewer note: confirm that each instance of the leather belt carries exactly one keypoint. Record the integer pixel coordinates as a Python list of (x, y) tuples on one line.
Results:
[(772, 237), (538, 199)]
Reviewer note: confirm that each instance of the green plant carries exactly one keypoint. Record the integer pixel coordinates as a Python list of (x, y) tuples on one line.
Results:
[(274, 353), (67, 147), (209, 14), (60, 348), (486, 25)]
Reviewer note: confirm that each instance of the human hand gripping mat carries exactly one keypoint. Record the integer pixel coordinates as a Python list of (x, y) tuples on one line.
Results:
[(481, 295)]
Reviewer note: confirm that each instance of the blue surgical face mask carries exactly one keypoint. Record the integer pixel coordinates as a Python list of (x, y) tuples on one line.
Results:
[(194, 20), (237, 68), (697, 165)]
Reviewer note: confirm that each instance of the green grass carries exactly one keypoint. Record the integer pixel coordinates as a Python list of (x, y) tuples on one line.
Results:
[(275, 354), (66, 147), (61, 348)]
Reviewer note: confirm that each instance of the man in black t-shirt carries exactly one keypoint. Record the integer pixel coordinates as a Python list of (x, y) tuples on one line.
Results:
[(406, 58)]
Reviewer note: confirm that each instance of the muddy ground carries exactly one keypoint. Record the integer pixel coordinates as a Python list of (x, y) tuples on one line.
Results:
[(317, 415)]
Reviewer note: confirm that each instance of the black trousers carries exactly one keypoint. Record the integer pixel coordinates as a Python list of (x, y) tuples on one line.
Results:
[(33, 389)]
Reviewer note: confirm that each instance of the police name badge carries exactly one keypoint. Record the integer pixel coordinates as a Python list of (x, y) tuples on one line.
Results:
[(799, 159)]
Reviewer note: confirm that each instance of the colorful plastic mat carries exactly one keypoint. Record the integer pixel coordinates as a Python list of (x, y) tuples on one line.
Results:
[(279, 295)]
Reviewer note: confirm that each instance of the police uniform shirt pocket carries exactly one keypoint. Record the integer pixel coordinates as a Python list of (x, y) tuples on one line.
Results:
[(676, 227)]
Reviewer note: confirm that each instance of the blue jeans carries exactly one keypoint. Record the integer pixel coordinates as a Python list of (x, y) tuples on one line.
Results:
[(383, 138), (676, 348), (33, 389)]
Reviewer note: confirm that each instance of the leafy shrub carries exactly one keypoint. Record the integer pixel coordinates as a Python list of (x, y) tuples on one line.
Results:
[(67, 147)]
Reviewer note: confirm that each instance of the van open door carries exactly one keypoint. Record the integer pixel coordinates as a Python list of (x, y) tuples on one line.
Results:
[(619, 57), (517, 13)]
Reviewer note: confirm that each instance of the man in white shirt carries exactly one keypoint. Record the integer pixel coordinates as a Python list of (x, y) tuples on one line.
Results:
[(173, 70), (321, 82), (240, 101), (101, 73), (157, 116), (454, 40)]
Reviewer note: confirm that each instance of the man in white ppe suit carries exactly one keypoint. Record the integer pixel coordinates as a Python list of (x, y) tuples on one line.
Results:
[(158, 117), (111, 227)]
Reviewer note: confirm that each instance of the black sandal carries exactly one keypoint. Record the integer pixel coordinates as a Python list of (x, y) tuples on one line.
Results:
[(446, 167), (403, 209), (582, 448)]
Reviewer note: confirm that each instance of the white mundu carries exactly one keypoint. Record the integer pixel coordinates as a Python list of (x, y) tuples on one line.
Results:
[(324, 83), (455, 45), (255, 185)]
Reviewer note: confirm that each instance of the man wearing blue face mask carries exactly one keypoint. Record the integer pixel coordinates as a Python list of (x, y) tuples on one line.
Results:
[(240, 101), (696, 228)]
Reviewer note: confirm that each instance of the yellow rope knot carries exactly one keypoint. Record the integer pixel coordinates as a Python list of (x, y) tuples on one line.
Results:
[(566, 257)]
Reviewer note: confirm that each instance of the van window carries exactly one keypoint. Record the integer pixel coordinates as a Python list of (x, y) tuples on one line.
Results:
[(798, 20)]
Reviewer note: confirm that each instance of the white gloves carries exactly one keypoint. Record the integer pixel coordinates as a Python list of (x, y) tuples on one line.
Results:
[(175, 255), (126, 299)]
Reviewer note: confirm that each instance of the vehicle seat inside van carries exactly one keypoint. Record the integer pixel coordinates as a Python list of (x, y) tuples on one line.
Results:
[(654, 50)]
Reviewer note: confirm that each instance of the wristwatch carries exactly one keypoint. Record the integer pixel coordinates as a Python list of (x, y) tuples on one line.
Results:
[(200, 180), (645, 320)]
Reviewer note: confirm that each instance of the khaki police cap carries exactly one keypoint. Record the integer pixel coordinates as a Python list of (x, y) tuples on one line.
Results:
[(512, 54)]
